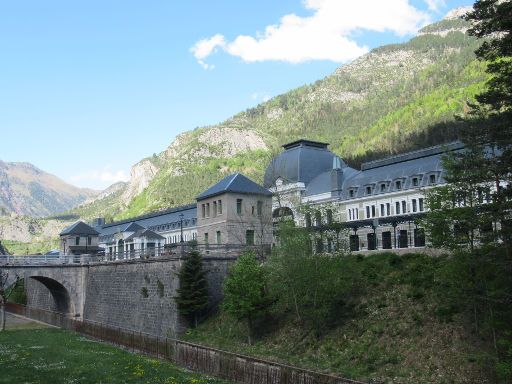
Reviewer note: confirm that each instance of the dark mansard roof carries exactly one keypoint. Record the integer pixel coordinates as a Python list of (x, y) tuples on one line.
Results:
[(235, 183), (301, 161)]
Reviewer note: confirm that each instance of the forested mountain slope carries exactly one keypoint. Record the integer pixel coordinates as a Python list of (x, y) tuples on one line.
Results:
[(395, 98)]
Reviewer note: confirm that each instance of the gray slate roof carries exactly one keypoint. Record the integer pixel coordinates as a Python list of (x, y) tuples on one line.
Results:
[(168, 219), (417, 164), (133, 227), (148, 234), (79, 228), (235, 183)]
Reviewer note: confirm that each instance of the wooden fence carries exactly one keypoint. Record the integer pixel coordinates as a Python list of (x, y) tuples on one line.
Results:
[(210, 361)]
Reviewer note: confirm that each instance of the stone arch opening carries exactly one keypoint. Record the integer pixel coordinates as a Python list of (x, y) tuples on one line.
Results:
[(283, 213), (57, 297)]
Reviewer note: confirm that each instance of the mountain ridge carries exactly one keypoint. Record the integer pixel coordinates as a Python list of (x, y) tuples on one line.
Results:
[(395, 98), (27, 190)]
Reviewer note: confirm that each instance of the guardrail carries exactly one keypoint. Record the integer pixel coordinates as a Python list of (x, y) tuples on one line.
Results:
[(168, 251), (222, 364)]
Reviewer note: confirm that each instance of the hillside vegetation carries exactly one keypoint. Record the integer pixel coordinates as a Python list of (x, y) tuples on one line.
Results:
[(400, 325), (396, 98)]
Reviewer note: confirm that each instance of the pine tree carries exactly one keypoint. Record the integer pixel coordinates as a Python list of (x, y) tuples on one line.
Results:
[(487, 133), (192, 296), (472, 214)]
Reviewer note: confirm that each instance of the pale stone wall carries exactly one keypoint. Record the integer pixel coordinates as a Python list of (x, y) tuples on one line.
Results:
[(231, 224)]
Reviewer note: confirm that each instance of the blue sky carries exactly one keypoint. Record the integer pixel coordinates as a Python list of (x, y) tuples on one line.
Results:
[(88, 88)]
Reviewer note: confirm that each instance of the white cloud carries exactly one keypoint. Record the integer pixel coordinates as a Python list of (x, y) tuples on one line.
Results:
[(204, 48), (325, 35), (435, 5), (100, 178)]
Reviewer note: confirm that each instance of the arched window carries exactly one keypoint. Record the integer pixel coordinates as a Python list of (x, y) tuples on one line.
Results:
[(318, 219), (308, 219)]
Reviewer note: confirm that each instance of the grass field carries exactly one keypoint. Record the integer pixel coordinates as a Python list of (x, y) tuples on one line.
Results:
[(51, 355)]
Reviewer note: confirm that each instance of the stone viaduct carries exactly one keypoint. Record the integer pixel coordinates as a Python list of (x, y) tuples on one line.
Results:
[(133, 294)]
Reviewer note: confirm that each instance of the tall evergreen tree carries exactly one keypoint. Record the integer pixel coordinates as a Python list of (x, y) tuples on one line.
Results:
[(472, 214), (192, 296), (486, 163)]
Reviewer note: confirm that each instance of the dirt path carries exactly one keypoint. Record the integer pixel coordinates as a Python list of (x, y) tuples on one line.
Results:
[(19, 322)]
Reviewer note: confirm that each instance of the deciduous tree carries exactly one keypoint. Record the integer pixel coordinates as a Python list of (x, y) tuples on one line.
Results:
[(244, 290)]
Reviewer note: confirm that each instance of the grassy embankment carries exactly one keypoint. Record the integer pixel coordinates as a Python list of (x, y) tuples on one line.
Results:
[(398, 330), (50, 355)]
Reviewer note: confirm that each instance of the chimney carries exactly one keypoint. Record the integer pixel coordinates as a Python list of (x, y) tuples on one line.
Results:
[(336, 177), (98, 222)]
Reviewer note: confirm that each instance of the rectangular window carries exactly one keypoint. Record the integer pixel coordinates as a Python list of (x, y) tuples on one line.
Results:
[(252, 210), (219, 240), (350, 214), (77, 240), (357, 213), (373, 210), (404, 207), (414, 181), (382, 213), (203, 211), (214, 208), (414, 205), (329, 216), (249, 237), (432, 179), (388, 209), (383, 187), (421, 204), (368, 190), (397, 208), (207, 209), (89, 240), (206, 238), (367, 211), (386, 240), (239, 206), (260, 208), (351, 193), (219, 207), (398, 184)]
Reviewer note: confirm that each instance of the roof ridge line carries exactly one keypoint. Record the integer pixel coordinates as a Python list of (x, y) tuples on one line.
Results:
[(233, 179)]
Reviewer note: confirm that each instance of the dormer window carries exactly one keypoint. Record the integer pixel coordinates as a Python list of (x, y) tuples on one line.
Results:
[(398, 184), (383, 187), (415, 182), (432, 179), (351, 193), (368, 190)]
